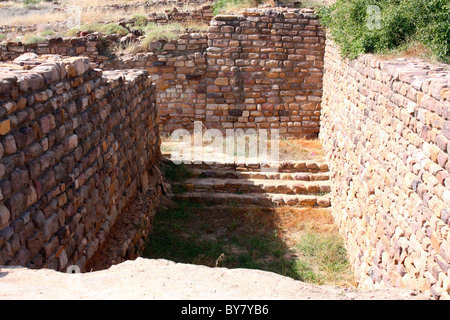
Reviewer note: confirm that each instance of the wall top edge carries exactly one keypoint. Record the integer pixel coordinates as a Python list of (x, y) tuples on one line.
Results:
[(271, 12), (410, 70)]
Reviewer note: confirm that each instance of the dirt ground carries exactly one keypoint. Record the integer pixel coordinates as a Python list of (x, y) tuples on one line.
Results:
[(163, 279)]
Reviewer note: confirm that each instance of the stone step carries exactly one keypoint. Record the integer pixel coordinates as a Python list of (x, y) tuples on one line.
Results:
[(230, 174), (242, 208), (254, 186), (312, 166), (254, 199)]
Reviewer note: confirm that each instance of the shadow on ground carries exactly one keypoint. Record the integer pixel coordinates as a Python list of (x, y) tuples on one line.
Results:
[(301, 243)]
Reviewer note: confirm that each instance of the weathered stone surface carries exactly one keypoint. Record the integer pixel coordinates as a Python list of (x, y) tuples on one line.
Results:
[(230, 68), (4, 216), (389, 159), (68, 165)]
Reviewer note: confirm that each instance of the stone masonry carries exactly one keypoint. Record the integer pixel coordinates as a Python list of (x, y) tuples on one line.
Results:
[(73, 138), (92, 46), (261, 69), (178, 69), (264, 70), (72, 141), (386, 129)]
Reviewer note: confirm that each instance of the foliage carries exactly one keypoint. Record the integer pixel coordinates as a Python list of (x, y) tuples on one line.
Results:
[(154, 32), (28, 2), (221, 6), (176, 172), (108, 29), (187, 232), (352, 25), (112, 28), (47, 33), (33, 39), (140, 20)]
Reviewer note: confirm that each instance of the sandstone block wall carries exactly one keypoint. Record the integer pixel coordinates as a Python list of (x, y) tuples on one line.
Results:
[(5, 29), (76, 146), (182, 11), (203, 14), (261, 69), (386, 128), (148, 5), (264, 70), (91, 46), (178, 70)]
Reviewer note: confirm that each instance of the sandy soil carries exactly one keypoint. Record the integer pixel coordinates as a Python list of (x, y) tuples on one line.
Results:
[(163, 279)]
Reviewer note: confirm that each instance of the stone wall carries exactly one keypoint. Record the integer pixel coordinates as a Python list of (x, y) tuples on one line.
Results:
[(197, 14), (386, 128), (178, 69), (203, 14), (148, 5), (92, 46), (264, 70), (259, 69), (76, 146), (17, 29)]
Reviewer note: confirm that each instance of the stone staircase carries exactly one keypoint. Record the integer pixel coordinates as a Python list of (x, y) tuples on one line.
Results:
[(287, 183)]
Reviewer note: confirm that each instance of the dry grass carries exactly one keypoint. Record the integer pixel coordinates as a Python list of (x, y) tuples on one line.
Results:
[(127, 48), (44, 16), (301, 148), (288, 149), (196, 25), (230, 7), (317, 245), (411, 50), (300, 243), (154, 32), (34, 18), (310, 237), (291, 218), (97, 3)]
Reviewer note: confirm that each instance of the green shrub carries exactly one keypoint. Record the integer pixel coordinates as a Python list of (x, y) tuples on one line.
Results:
[(33, 39), (220, 6), (91, 27), (113, 28), (401, 22), (2, 36), (28, 2), (140, 20), (155, 32), (48, 33), (107, 29)]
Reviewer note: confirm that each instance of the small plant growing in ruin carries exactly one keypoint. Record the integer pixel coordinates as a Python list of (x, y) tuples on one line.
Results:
[(33, 39), (140, 20), (378, 26), (108, 29)]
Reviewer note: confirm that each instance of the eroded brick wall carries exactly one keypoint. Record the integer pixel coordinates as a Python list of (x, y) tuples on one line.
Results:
[(260, 69), (200, 12), (178, 70), (264, 70), (92, 46), (76, 146), (386, 129)]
